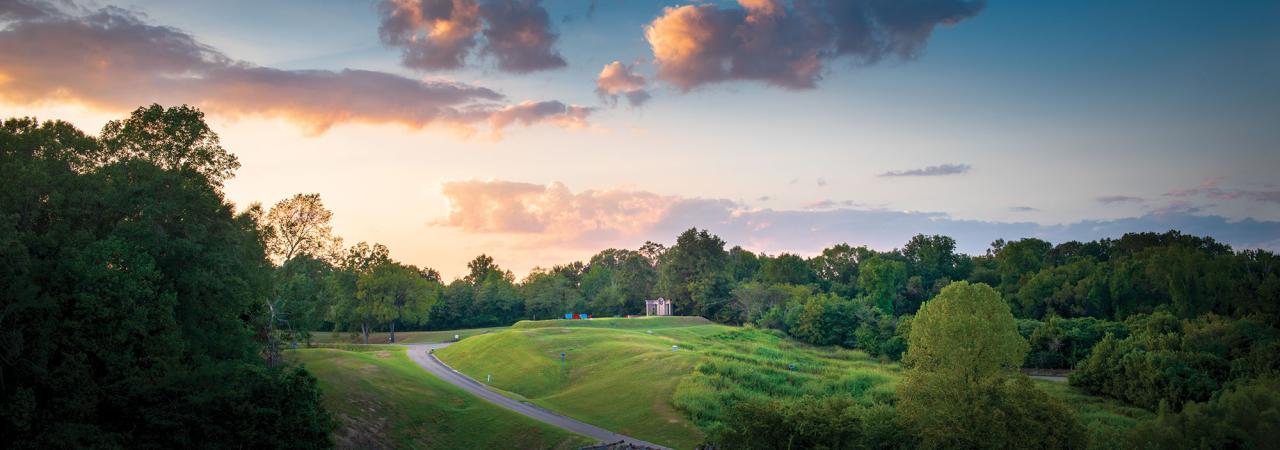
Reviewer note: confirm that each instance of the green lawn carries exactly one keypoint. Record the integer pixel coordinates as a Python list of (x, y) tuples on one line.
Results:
[(384, 400), (621, 374), (402, 337)]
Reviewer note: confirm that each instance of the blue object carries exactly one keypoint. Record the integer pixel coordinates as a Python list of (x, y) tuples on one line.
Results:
[(568, 316)]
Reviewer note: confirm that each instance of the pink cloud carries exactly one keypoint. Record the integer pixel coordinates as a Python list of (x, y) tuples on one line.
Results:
[(112, 59), (618, 79), (551, 212), (530, 113)]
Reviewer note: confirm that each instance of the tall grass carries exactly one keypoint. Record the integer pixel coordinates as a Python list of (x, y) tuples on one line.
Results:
[(748, 364)]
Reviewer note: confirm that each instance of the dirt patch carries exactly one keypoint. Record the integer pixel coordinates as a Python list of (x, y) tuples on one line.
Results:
[(365, 430), (383, 354)]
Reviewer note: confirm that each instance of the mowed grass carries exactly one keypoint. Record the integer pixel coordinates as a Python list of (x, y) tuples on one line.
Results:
[(635, 323), (618, 380), (384, 400), (621, 374), (402, 337)]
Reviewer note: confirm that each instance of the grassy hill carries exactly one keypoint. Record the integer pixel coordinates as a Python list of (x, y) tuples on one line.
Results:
[(622, 374), (384, 400)]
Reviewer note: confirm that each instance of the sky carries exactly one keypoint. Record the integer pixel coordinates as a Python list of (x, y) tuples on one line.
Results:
[(542, 132)]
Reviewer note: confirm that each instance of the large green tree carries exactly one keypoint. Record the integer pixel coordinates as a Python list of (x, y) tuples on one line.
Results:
[(347, 310), (693, 274), (961, 388), (397, 294), (174, 138), (133, 295)]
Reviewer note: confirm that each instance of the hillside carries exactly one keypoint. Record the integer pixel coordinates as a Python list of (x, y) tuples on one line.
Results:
[(622, 374), (383, 400)]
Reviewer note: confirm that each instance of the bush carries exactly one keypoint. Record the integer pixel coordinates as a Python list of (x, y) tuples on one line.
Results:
[(1245, 416), (829, 423)]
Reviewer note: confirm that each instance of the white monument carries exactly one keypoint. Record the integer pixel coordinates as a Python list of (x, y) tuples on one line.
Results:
[(659, 307)]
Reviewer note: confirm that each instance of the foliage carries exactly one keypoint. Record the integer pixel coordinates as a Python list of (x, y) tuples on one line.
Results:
[(1062, 343), (299, 296), (786, 269), (1244, 416), (1171, 362), (396, 293), (176, 139), (134, 297), (809, 423), (692, 274), (884, 280), (961, 388)]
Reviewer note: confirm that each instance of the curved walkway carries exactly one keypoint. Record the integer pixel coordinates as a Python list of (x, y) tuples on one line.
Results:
[(421, 354)]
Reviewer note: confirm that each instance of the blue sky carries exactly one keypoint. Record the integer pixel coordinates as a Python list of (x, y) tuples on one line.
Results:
[(1066, 120)]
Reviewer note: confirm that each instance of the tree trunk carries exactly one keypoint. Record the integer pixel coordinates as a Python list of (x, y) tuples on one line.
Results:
[(393, 332), (364, 329)]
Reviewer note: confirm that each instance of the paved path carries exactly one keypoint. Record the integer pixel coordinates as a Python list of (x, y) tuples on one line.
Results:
[(1053, 378), (421, 354)]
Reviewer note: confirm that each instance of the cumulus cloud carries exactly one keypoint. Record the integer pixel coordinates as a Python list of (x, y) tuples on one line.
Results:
[(789, 44), (618, 79), (113, 59), (1109, 199), (443, 34), (552, 215), (930, 171)]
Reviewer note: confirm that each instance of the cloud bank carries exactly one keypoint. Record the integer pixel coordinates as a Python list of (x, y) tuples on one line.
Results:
[(1210, 189), (930, 171), (444, 34), (552, 215), (113, 59), (790, 44)]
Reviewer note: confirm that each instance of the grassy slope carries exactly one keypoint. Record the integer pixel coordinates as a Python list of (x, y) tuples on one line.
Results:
[(384, 400), (618, 381), (402, 337), (622, 375)]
